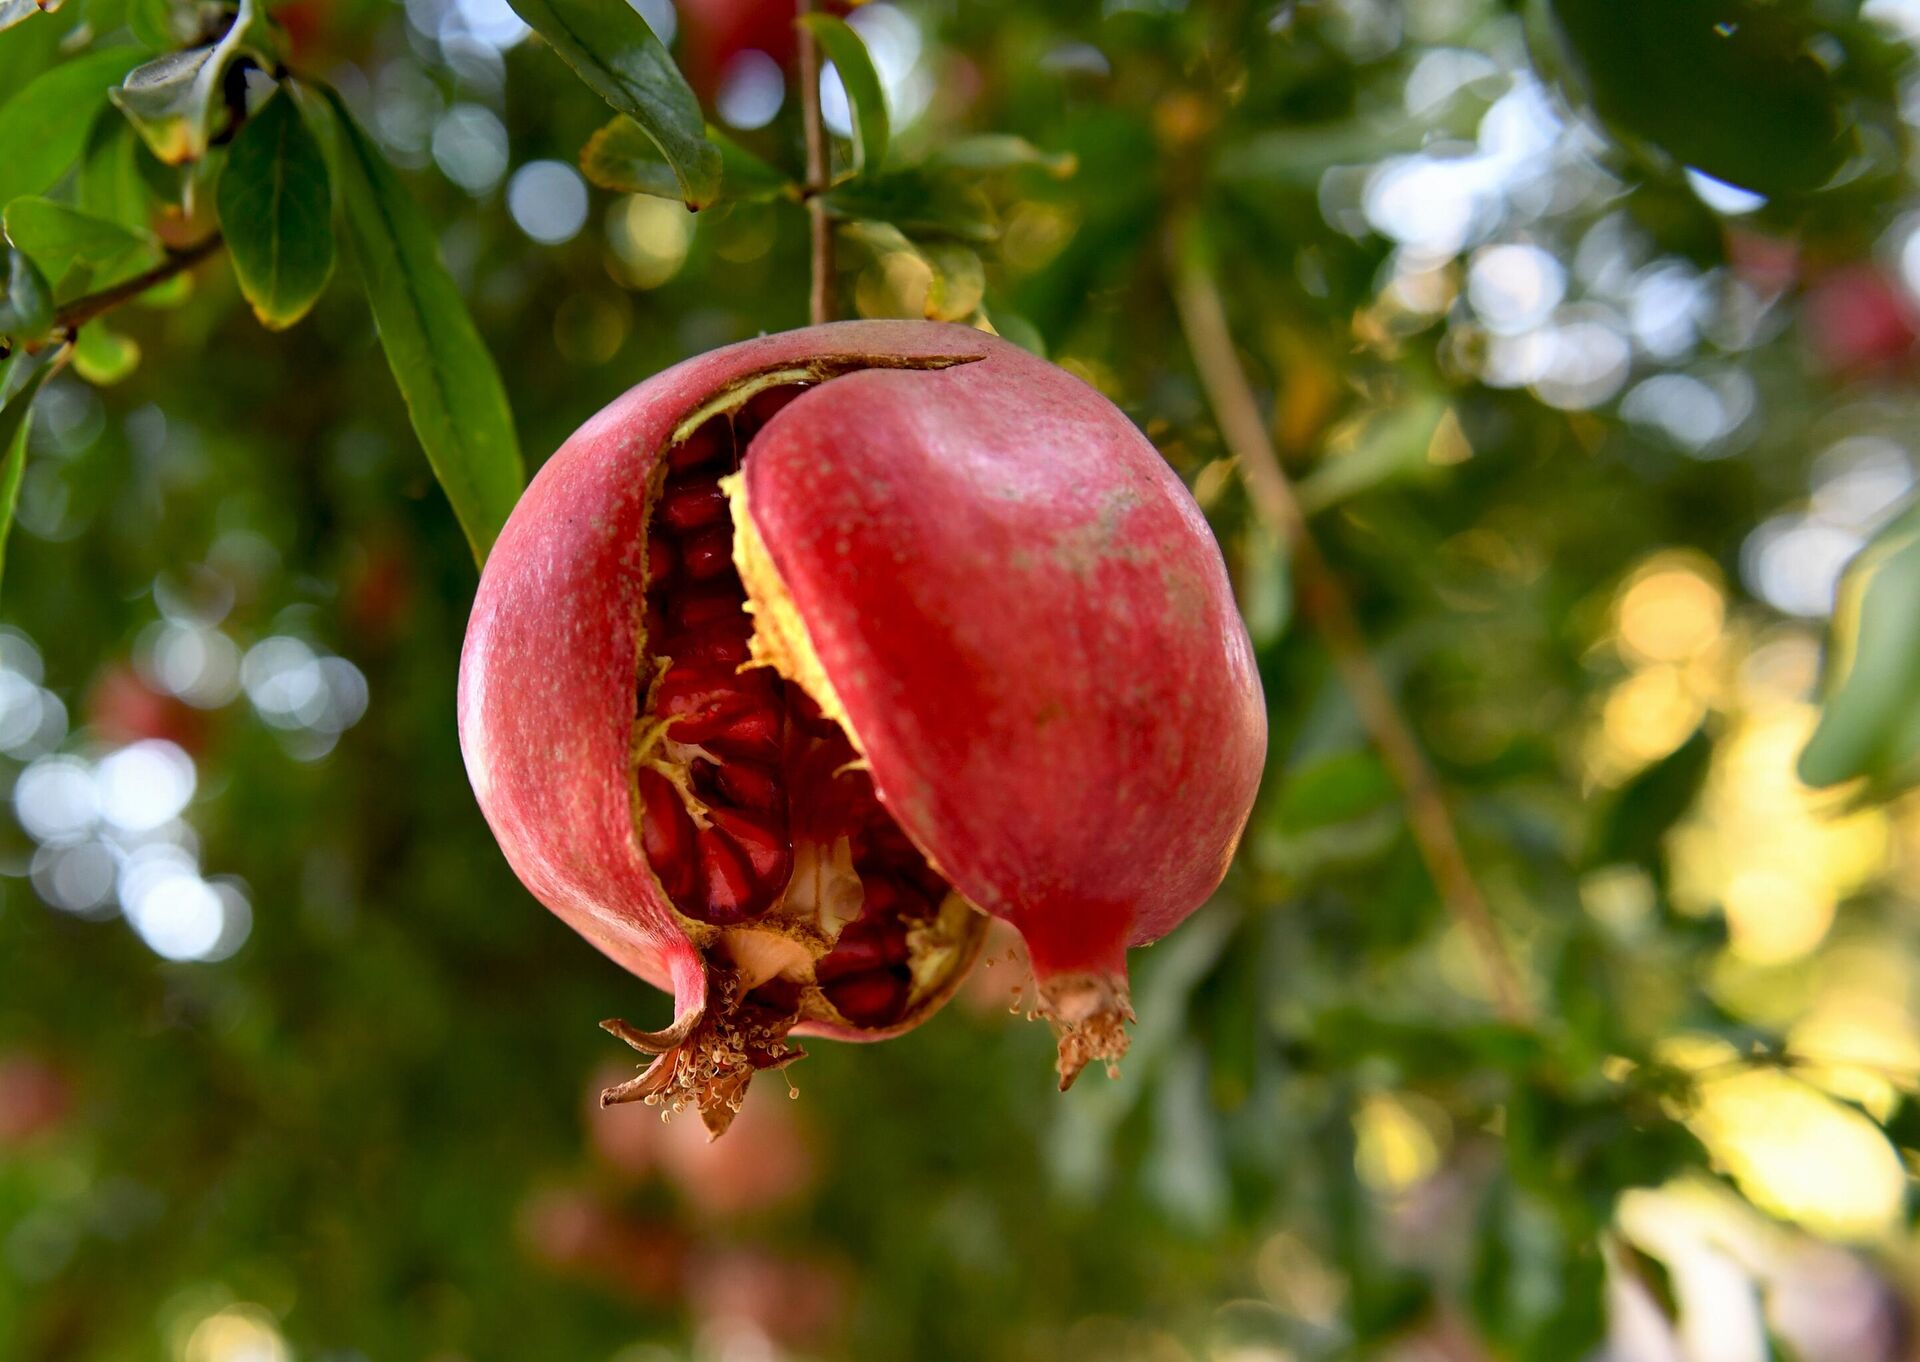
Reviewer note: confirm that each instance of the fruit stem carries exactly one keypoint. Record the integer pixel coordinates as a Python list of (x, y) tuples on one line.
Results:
[(819, 170), (1324, 603)]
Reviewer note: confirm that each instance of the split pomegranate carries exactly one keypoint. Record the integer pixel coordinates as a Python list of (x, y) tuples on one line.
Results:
[(804, 654)]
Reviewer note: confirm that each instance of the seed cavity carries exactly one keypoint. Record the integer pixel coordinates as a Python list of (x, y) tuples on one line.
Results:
[(753, 807)]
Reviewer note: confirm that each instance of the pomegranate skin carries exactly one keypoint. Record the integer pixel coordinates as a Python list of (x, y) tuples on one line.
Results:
[(1032, 633)]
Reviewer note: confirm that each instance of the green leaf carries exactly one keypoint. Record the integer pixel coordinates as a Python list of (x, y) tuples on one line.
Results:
[(59, 236), (172, 100), (276, 213), (452, 389), (19, 11), (26, 308), (1870, 721), (623, 158), (104, 357), (1633, 824), (111, 184), (13, 450), (916, 201), (44, 127), (849, 55), (1386, 445), (611, 48), (1729, 87), (992, 151)]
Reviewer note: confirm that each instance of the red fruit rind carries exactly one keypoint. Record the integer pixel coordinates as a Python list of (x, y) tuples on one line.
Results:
[(992, 663)]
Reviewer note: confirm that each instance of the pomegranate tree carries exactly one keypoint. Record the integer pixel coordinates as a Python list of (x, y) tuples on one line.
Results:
[(803, 655)]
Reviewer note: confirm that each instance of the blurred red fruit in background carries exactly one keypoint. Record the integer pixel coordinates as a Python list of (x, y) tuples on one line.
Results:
[(34, 1098), (1858, 321), (122, 708)]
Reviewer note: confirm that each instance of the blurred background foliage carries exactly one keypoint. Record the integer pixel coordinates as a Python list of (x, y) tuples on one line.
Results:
[(1589, 335)]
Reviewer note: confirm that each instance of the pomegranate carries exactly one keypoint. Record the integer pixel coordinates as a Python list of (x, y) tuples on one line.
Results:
[(803, 654), (1858, 322)]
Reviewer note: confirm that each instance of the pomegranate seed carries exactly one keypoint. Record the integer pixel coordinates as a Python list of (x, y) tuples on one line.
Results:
[(708, 444), (750, 733), (733, 895), (662, 558), (861, 948), (705, 608), (748, 786), (874, 998), (710, 650), (887, 898), (693, 504), (761, 408), (666, 835), (709, 555), (763, 841)]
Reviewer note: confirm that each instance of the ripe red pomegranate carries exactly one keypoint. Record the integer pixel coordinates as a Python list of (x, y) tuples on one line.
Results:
[(802, 651)]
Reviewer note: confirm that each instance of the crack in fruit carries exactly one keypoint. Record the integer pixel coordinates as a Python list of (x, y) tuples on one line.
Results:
[(753, 806)]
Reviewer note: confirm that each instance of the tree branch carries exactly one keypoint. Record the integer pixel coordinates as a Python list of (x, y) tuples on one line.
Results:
[(820, 296), (84, 309), (1324, 604)]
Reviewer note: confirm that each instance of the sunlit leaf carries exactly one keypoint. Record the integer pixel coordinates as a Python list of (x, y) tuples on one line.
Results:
[(104, 357), (44, 127), (1388, 444), (276, 213), (611, 48), (1870, 721), (845, 48), (621, 156), (173, 100), (14, 424), (452, 388)]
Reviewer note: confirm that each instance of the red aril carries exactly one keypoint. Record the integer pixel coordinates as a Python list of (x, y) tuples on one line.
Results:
[(971, 649)]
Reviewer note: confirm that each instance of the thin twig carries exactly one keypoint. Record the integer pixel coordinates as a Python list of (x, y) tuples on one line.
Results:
[(819, 168), (82, 310), (1324, 604)]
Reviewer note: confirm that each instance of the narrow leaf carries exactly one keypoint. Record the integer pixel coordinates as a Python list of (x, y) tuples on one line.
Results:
[(44, 127), (990, 151), (917, 201), (1870, 719), (13, 450), (622, 157), (611, 48), (452, 389), (849, 55), (58, 237), (172, 100), (276, 213), (26, 308)]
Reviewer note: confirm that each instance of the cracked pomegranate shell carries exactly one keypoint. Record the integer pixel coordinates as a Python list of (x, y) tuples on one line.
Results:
[(803, 655)]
